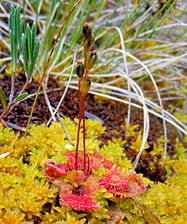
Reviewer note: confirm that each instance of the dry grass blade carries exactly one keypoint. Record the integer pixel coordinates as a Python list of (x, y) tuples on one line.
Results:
[(127, 74), (154, 109)]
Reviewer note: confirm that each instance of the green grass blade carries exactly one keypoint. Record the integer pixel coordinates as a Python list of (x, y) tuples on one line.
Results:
[(159, 21), (12, 18), (13, 49), (99, 10), (21, 97), (35, 55), (3, 99), (24, 52), (151, 23), (33, 35), (28, 37), (18, 27)]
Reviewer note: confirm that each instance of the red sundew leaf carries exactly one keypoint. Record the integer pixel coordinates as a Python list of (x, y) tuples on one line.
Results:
[(50, 174), (91, 186), (122, 186), (135, 183), (107, 164), (55, 170), (94, 162), (97, 161), (135, 187), (64, 187), (78, 202), (114, 181)]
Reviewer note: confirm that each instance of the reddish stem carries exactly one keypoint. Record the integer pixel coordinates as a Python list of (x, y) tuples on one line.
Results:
[(78, 130), (77, 145), (81, 118), (84, 133)]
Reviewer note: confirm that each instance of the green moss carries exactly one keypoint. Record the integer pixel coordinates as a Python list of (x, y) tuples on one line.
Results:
[(7, 136), (168, 200), (25, 193)]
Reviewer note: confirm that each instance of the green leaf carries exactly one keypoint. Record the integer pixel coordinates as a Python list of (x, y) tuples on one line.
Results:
[(12, 18), (13, 48), (33, 35), (15, 33), (35, 55), (21, 96), (3, 99), (18, 27), (28, 36), (24, 53)]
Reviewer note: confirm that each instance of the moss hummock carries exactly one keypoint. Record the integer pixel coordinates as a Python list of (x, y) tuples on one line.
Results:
[(27, 196)]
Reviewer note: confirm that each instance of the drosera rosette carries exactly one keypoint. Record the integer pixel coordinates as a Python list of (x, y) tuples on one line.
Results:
[(77, 187), (122, 185)]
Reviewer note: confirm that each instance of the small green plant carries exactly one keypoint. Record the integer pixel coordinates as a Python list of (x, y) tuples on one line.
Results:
[(24, 44)]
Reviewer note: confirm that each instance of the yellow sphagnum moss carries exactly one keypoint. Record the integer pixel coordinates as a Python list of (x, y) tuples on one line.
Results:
[(25, 191)]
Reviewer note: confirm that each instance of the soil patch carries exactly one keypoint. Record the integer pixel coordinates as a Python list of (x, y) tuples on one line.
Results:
[(111, 114)]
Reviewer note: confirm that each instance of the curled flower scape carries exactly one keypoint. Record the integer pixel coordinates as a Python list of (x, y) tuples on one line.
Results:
[(78, 186)]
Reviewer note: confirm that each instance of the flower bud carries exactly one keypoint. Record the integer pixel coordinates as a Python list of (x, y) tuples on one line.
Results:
[(91, 42), (87, 31), (79, 69), (92, 59), (84, 86)]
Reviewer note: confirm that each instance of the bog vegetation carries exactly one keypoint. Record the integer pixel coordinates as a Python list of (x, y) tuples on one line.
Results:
[(68, 170)]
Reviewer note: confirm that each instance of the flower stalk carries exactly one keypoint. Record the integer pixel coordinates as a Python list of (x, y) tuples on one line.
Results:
[(82, 71)]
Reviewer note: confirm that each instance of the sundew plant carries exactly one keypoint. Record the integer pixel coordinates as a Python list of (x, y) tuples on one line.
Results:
[(76, 178)]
